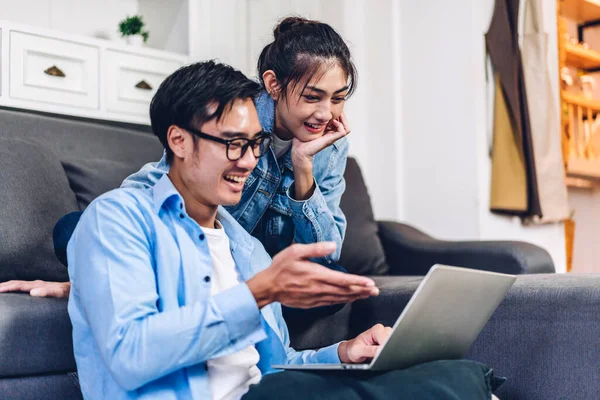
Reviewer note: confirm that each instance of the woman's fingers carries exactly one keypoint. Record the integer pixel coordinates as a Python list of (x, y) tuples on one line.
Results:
[(344, 122)]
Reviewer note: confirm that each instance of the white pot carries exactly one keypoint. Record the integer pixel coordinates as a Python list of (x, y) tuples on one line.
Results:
[(135, 40)]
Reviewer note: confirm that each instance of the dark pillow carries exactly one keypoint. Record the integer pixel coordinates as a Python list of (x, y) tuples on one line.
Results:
[(89, 178), (362, 252), (34, 194)]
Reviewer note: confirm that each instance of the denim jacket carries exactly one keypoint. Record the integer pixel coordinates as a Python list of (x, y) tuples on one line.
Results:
[(266, 209)]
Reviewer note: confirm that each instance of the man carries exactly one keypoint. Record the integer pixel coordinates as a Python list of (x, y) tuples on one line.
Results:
[(170, 297)]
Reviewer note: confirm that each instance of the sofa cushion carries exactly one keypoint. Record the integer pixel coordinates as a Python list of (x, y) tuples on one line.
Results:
[(34, 194), (46, 387), (91, 177), (362, 252), (71, 138), (35, 336)]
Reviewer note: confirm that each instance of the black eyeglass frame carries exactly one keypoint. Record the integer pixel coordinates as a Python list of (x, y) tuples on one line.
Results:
[(262, 137)]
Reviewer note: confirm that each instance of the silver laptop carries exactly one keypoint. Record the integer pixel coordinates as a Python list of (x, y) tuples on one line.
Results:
[(440, 322)]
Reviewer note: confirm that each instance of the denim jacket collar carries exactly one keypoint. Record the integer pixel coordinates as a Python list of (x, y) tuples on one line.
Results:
[(265, 106)]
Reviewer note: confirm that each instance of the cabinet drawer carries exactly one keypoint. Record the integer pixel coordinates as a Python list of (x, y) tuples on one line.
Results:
[(54, 71), (132, 80)]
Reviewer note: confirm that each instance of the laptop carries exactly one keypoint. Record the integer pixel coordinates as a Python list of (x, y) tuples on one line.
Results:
[(440, 322)]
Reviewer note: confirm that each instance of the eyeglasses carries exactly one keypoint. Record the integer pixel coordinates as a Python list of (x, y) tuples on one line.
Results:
[(236, 148)]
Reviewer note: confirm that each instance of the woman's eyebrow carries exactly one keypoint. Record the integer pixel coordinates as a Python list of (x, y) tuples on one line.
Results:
[(316, 89)]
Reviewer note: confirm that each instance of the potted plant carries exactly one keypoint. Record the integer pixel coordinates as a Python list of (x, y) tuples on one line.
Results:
[(131, 29)]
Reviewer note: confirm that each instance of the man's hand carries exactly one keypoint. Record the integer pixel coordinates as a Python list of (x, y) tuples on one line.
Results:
[(37, 288), (364, 347), (294, 281)]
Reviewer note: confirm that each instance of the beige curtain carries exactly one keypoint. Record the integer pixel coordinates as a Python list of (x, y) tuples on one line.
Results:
[(544, 115)]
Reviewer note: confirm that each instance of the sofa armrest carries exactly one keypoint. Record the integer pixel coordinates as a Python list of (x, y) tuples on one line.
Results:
[(409, 251), (35, 336), (544, 336)]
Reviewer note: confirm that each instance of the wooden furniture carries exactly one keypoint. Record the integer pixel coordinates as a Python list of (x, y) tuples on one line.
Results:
[(579, 111), (60, 73)]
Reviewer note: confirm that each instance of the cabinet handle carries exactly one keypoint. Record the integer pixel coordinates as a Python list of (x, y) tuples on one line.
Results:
[(54, 71), (143, 85)]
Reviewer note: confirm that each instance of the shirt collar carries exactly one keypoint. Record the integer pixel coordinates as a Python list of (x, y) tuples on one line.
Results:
[(163, 191), (265, 106), (235, 232)]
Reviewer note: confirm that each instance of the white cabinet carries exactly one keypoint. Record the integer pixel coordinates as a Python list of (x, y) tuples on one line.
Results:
[(132, 80), (48, 71), (53, 71)]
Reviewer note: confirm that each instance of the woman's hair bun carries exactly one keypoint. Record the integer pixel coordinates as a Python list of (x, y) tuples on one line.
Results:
[(290, 24)]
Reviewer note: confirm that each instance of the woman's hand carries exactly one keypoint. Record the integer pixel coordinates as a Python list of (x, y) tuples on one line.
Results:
[(303, 152), (37, 288)]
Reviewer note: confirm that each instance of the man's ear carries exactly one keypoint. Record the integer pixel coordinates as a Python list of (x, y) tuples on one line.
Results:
[(177, 139), (272, 84)]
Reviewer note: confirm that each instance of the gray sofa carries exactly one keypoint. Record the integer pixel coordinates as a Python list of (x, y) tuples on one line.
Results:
[(544, 337)]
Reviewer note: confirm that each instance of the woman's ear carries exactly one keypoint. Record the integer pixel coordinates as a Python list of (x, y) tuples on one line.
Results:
[(177, 139), (272, 84)]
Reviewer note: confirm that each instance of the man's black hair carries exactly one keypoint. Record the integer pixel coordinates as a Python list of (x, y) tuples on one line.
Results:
[(185, 97)]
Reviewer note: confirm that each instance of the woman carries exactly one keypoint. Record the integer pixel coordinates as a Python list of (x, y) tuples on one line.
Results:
[(293, 194)]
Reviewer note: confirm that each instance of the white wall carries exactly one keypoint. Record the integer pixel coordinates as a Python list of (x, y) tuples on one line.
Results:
[(86, 17), (218, 30), (586, 252), (447, 167), (440, 166), (167, 22)]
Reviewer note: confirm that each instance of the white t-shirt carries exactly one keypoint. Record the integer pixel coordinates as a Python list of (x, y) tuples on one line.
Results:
[(229, 376), (280, 146)]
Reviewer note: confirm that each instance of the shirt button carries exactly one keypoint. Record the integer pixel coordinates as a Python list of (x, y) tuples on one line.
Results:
[(201, 237), (181, 215), (207, 278)]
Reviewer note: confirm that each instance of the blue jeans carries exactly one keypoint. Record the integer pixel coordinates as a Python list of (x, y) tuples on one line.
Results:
[(61, 234), (445, 379), (66, 225)]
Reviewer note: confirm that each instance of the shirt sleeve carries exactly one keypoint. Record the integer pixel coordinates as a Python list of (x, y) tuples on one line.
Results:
[(112, 270), (148, 175), (320, 217), (325, 355)]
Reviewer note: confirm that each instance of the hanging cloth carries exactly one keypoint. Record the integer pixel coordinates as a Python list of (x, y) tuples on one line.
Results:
[(509, 179), (503, 49), (544, 115)]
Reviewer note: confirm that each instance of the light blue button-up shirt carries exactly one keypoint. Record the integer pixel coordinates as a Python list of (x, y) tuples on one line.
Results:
[(144, 322)]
